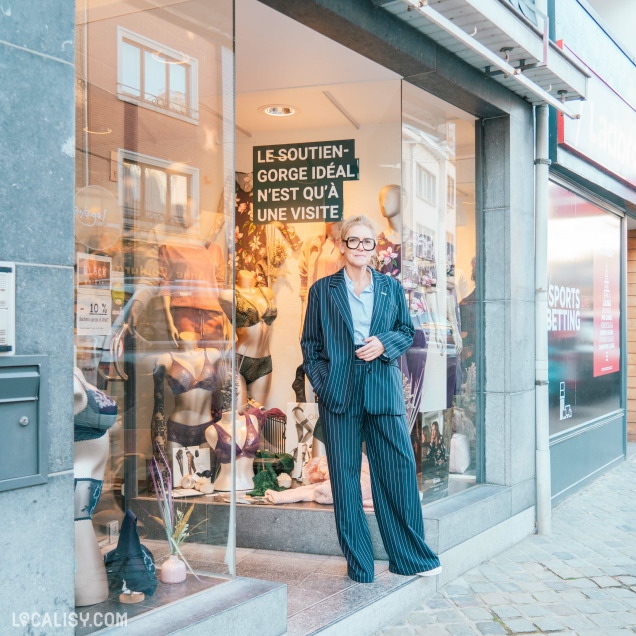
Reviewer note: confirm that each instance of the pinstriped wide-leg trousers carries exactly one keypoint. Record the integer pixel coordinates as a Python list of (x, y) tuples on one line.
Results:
[(393, 481)]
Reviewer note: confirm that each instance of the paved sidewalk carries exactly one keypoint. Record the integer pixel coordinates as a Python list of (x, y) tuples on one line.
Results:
[(580, 580)]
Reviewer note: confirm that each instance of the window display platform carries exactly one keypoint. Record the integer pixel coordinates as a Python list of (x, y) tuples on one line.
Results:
[(304, 527), (213, 603), (164, 595)]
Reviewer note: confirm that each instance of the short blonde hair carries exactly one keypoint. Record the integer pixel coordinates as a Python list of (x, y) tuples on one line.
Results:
[(347, 224)]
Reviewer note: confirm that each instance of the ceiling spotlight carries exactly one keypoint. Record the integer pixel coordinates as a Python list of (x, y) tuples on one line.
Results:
[(278, 110)]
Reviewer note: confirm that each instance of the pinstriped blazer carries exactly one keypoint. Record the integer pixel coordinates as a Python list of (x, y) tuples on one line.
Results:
[(328, 349)]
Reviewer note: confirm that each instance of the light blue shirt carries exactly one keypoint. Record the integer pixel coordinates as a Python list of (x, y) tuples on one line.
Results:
[(361, 309)]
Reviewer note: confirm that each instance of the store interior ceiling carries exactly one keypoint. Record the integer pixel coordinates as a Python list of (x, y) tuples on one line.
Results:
[(277, 58), (280, 61)]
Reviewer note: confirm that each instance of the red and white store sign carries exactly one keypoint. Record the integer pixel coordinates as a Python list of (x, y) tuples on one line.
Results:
[(606, 132), (607, 285)]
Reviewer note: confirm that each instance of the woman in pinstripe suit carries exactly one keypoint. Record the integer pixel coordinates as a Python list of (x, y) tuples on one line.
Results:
[(357, 326)]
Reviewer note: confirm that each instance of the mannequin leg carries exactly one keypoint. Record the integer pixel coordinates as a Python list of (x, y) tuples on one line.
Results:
[(91, 583), (298, 385), (259, 389)]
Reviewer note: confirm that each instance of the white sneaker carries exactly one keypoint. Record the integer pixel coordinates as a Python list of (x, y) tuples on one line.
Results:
[(433, 572)]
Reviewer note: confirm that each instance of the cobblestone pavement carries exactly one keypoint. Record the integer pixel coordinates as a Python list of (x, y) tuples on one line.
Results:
[(579, 580)]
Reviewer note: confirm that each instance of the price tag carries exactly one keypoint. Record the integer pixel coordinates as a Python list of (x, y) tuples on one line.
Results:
[(93, 313)]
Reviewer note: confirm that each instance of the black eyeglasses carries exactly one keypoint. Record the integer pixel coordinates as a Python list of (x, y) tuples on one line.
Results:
[(353, 242)]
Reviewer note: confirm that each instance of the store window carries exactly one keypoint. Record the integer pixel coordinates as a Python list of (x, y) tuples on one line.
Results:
[(154, 296), (584, 266), (413, 174), (436, 260)]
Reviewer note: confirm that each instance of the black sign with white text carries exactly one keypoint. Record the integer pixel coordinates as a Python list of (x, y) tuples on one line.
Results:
[(302, 183)]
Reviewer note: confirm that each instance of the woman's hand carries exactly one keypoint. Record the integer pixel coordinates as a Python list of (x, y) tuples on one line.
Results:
[(372, 349)]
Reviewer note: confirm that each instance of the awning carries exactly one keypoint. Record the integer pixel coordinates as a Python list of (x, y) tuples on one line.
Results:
[(508, 46)]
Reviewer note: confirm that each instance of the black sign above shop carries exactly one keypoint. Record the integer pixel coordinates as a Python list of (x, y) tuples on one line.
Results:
[(302, 183)]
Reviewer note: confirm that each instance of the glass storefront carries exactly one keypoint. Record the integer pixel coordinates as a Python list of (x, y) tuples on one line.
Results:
[(437, 265), (209, 194), (154, 285), (584, 296)]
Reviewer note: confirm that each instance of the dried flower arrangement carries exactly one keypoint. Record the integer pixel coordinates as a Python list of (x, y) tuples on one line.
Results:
[(175, 523)]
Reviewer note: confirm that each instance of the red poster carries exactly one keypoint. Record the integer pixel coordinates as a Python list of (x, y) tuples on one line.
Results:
[(606, 311)]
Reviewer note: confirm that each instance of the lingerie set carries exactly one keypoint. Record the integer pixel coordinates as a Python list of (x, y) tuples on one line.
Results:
[(180, 381), (223, 446), (91, 423), (247, 316)]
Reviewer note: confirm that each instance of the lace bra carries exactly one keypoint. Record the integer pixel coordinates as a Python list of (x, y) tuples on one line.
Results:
[(247, 314), (223, 449), (180, 380), (98, 416)]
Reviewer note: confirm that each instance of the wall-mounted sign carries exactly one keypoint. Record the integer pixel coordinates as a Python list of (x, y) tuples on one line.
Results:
[(606, 132), (98, 218), (94, 302), (302, 183)]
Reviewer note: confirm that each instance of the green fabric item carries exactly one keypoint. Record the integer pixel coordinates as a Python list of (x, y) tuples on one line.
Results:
[(286, 462), (280, 463), (265, 479)]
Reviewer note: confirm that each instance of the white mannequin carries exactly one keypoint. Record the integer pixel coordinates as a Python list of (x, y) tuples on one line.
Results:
[(91, 582), (391, 208), (244, 465)]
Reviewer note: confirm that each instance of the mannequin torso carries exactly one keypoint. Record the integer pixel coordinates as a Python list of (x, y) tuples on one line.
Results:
[(320, 256), (219, 437), (193, 377), (255, 313), (193, 406), (389, 244), (253, 340)]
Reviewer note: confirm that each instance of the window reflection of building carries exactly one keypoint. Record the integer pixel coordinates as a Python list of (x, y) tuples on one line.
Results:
[(154, 75), (154, 191), (438, 242), (426, 185)]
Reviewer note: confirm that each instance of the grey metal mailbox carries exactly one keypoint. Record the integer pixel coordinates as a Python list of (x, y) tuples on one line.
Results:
[(23, 448)]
